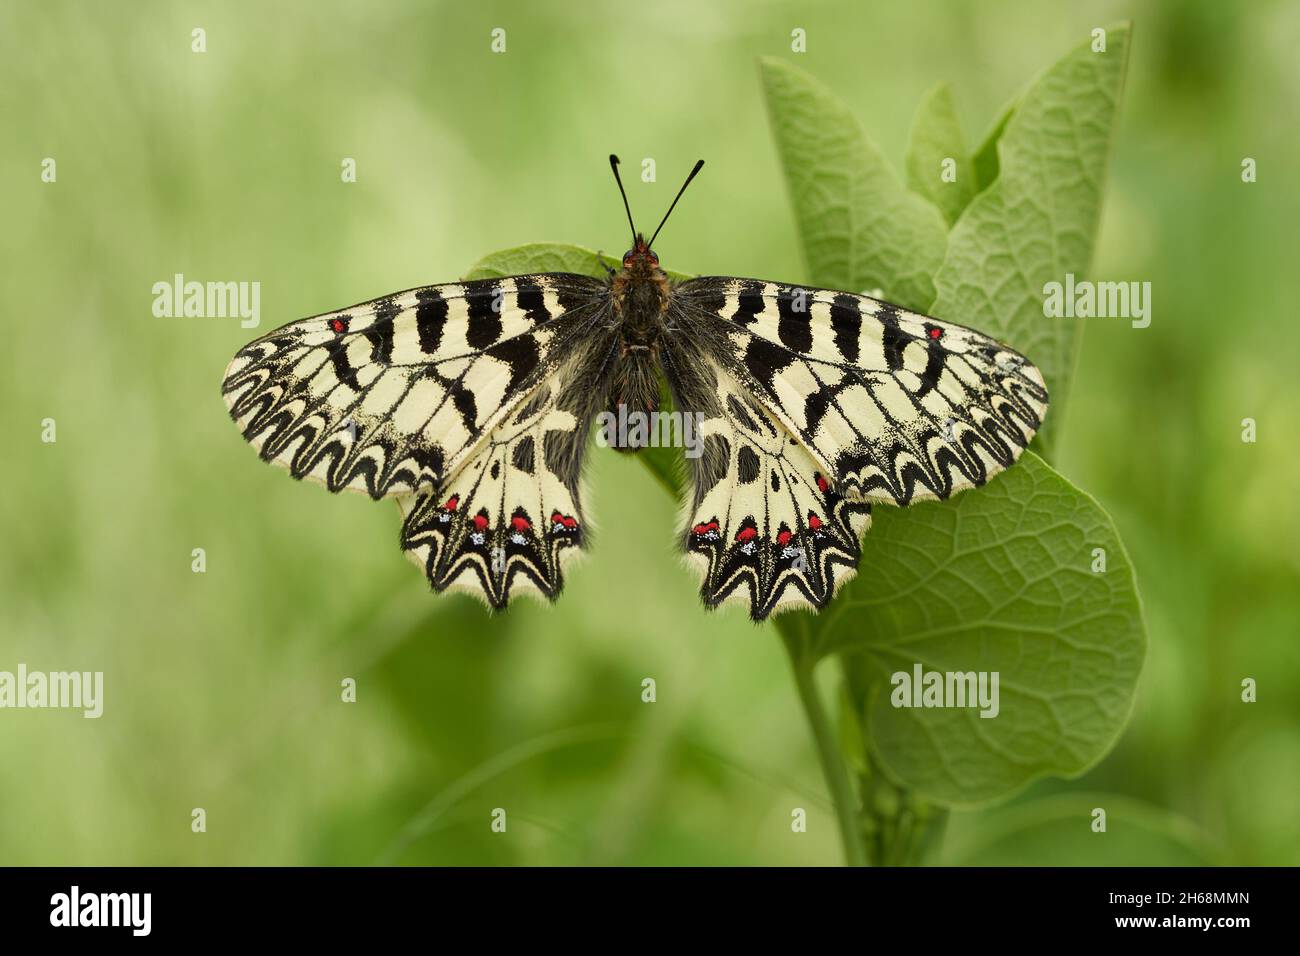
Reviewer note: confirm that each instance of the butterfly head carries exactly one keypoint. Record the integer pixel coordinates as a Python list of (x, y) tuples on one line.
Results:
[(640, 259)]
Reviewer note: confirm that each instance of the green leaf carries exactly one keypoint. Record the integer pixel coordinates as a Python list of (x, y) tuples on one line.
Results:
[(860, 227), (1047, 831), (541, 257), (998, 579), (1038, 220), (985, 159), (548, 257), (936, 138)]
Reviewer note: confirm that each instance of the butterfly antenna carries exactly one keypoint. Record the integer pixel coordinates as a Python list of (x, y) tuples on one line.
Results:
[(613, 164), (698, 166)]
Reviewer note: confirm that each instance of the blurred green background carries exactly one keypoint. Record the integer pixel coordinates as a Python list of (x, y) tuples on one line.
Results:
[(222, 688)]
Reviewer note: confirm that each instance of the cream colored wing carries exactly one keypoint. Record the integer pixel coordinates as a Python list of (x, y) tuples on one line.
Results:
[(504, 523), (391, 396), (893, 405), (764, 526)]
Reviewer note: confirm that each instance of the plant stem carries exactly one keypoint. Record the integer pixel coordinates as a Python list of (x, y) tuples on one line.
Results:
[(828, 752)]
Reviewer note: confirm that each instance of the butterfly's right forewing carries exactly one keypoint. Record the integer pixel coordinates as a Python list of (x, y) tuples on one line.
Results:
[(896, 406)]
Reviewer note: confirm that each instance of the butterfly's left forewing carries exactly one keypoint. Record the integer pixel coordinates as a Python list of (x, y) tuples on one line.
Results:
[(390, 396)]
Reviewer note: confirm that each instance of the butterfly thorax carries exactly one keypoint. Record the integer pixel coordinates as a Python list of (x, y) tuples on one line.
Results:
[(640, 294)]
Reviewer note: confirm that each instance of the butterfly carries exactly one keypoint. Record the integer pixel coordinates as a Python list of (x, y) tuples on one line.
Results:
[(471, 404)]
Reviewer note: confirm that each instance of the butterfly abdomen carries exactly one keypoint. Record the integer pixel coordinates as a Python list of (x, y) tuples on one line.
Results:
[(634, 394)]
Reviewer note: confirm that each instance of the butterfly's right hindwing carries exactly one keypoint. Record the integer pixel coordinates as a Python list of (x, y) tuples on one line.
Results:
[(391, 396), (763, 525)]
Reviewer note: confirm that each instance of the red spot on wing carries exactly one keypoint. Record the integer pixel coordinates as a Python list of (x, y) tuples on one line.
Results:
[(339, 325), (784, 537), (567, 522), (935, 334), (747, 533), (814, 522), (481, 522), (705, 527), (520, 523), (452, 503), (822, 484)]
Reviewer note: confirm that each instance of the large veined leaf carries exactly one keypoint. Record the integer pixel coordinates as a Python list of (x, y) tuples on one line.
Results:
[(1025, 577)]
